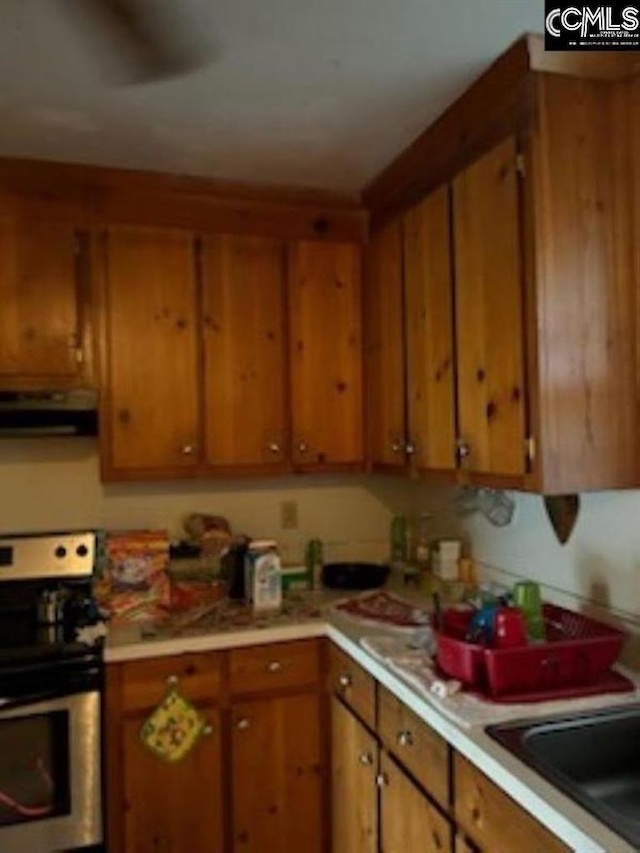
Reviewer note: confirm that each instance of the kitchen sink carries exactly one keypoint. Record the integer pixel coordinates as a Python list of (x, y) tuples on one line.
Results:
[(593, 757)]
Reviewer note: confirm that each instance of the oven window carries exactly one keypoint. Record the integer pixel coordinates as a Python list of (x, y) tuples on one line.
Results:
[(34, 767)]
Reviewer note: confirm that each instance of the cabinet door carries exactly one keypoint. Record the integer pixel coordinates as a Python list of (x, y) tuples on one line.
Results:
[(245, 405), (42, 265), (151, 352), (384, 347), (408, 820), (463, 845), (277, 775), (489, 313), (354, 793), (429, 324), (170, 807), (325, 282), (495, 821)]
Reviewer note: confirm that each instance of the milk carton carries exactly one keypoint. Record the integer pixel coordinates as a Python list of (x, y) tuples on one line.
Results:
[(263, 575)]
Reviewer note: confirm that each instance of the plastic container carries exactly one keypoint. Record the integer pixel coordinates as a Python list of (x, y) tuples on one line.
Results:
[(576, 651), (295, 579), (313, 558), (399, 539), (457, 658)]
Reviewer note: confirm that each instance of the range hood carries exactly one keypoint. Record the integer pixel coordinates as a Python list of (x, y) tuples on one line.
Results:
[(42, 413)]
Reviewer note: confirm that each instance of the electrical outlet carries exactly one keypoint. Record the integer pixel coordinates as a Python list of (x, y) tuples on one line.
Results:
[(289, 515)]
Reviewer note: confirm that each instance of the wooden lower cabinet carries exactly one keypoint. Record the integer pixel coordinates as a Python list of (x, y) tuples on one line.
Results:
[(463, 845), (166, 804), (408, 820), (354, 753), (492, 819), (277, 775), (415, 745), (256, 781), (375, 804), (398, 787)]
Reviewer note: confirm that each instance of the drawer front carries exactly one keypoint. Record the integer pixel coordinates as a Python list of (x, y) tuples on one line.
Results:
[(256, 669), (145, 682), (492, 819), (415, 744), (353, 684)]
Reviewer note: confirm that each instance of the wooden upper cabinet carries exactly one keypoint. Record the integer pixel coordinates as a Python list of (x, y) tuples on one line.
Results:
[(151, 359), (582, 158), (429, 335), (43, 280), (384, 349), (489, 315), (325, 351), (244, 333)]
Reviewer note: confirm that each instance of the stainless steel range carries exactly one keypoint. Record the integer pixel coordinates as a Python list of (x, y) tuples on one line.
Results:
[(50, 695)]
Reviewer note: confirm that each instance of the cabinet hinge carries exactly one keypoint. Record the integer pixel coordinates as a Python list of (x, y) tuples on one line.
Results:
[(520, 165), (530, 451)]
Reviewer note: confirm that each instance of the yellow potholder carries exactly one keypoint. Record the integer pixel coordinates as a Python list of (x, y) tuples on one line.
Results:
[(173, 728)]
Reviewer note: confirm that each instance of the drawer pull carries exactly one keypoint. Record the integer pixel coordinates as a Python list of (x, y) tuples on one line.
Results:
[(345, 680), (274, 666), (382, 780), (172, 681), (242, 724), (405, 738), (366, 759)]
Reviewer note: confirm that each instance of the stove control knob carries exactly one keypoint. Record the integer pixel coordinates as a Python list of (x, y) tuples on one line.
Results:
[(82, 550), (60, 552)]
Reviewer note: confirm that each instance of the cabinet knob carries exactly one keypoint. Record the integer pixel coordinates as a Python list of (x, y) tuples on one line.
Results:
[(366, 759), (345, 680), (302, 447), (273, 447), (172, 681), (405, 738), (242, 724), (398, 446), (188, 449), (462, 449), (382, 780), (410, 448), (207, 731), (274, 666)]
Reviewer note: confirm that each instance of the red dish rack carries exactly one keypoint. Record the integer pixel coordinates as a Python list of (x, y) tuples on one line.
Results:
[(577, 650)]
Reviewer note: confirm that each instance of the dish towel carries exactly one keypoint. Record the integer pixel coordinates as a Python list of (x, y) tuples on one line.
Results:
[(417, 668)]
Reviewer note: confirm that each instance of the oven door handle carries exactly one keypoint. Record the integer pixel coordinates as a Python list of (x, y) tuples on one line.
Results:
[(8, 703), (20, 695)]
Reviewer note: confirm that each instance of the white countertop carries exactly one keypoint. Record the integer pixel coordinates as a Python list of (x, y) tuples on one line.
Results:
[(572, 824)]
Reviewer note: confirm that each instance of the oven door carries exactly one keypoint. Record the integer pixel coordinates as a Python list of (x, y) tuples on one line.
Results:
[(50, 778)]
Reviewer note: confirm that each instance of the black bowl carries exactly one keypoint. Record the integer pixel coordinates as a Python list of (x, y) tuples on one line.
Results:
[(354, 575)]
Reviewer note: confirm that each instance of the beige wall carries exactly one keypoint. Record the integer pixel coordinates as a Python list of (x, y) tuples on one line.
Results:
[(49, 484), (597, 571)]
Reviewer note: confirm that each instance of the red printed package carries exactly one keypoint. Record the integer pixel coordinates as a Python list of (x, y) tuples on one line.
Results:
[(136, 584)]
